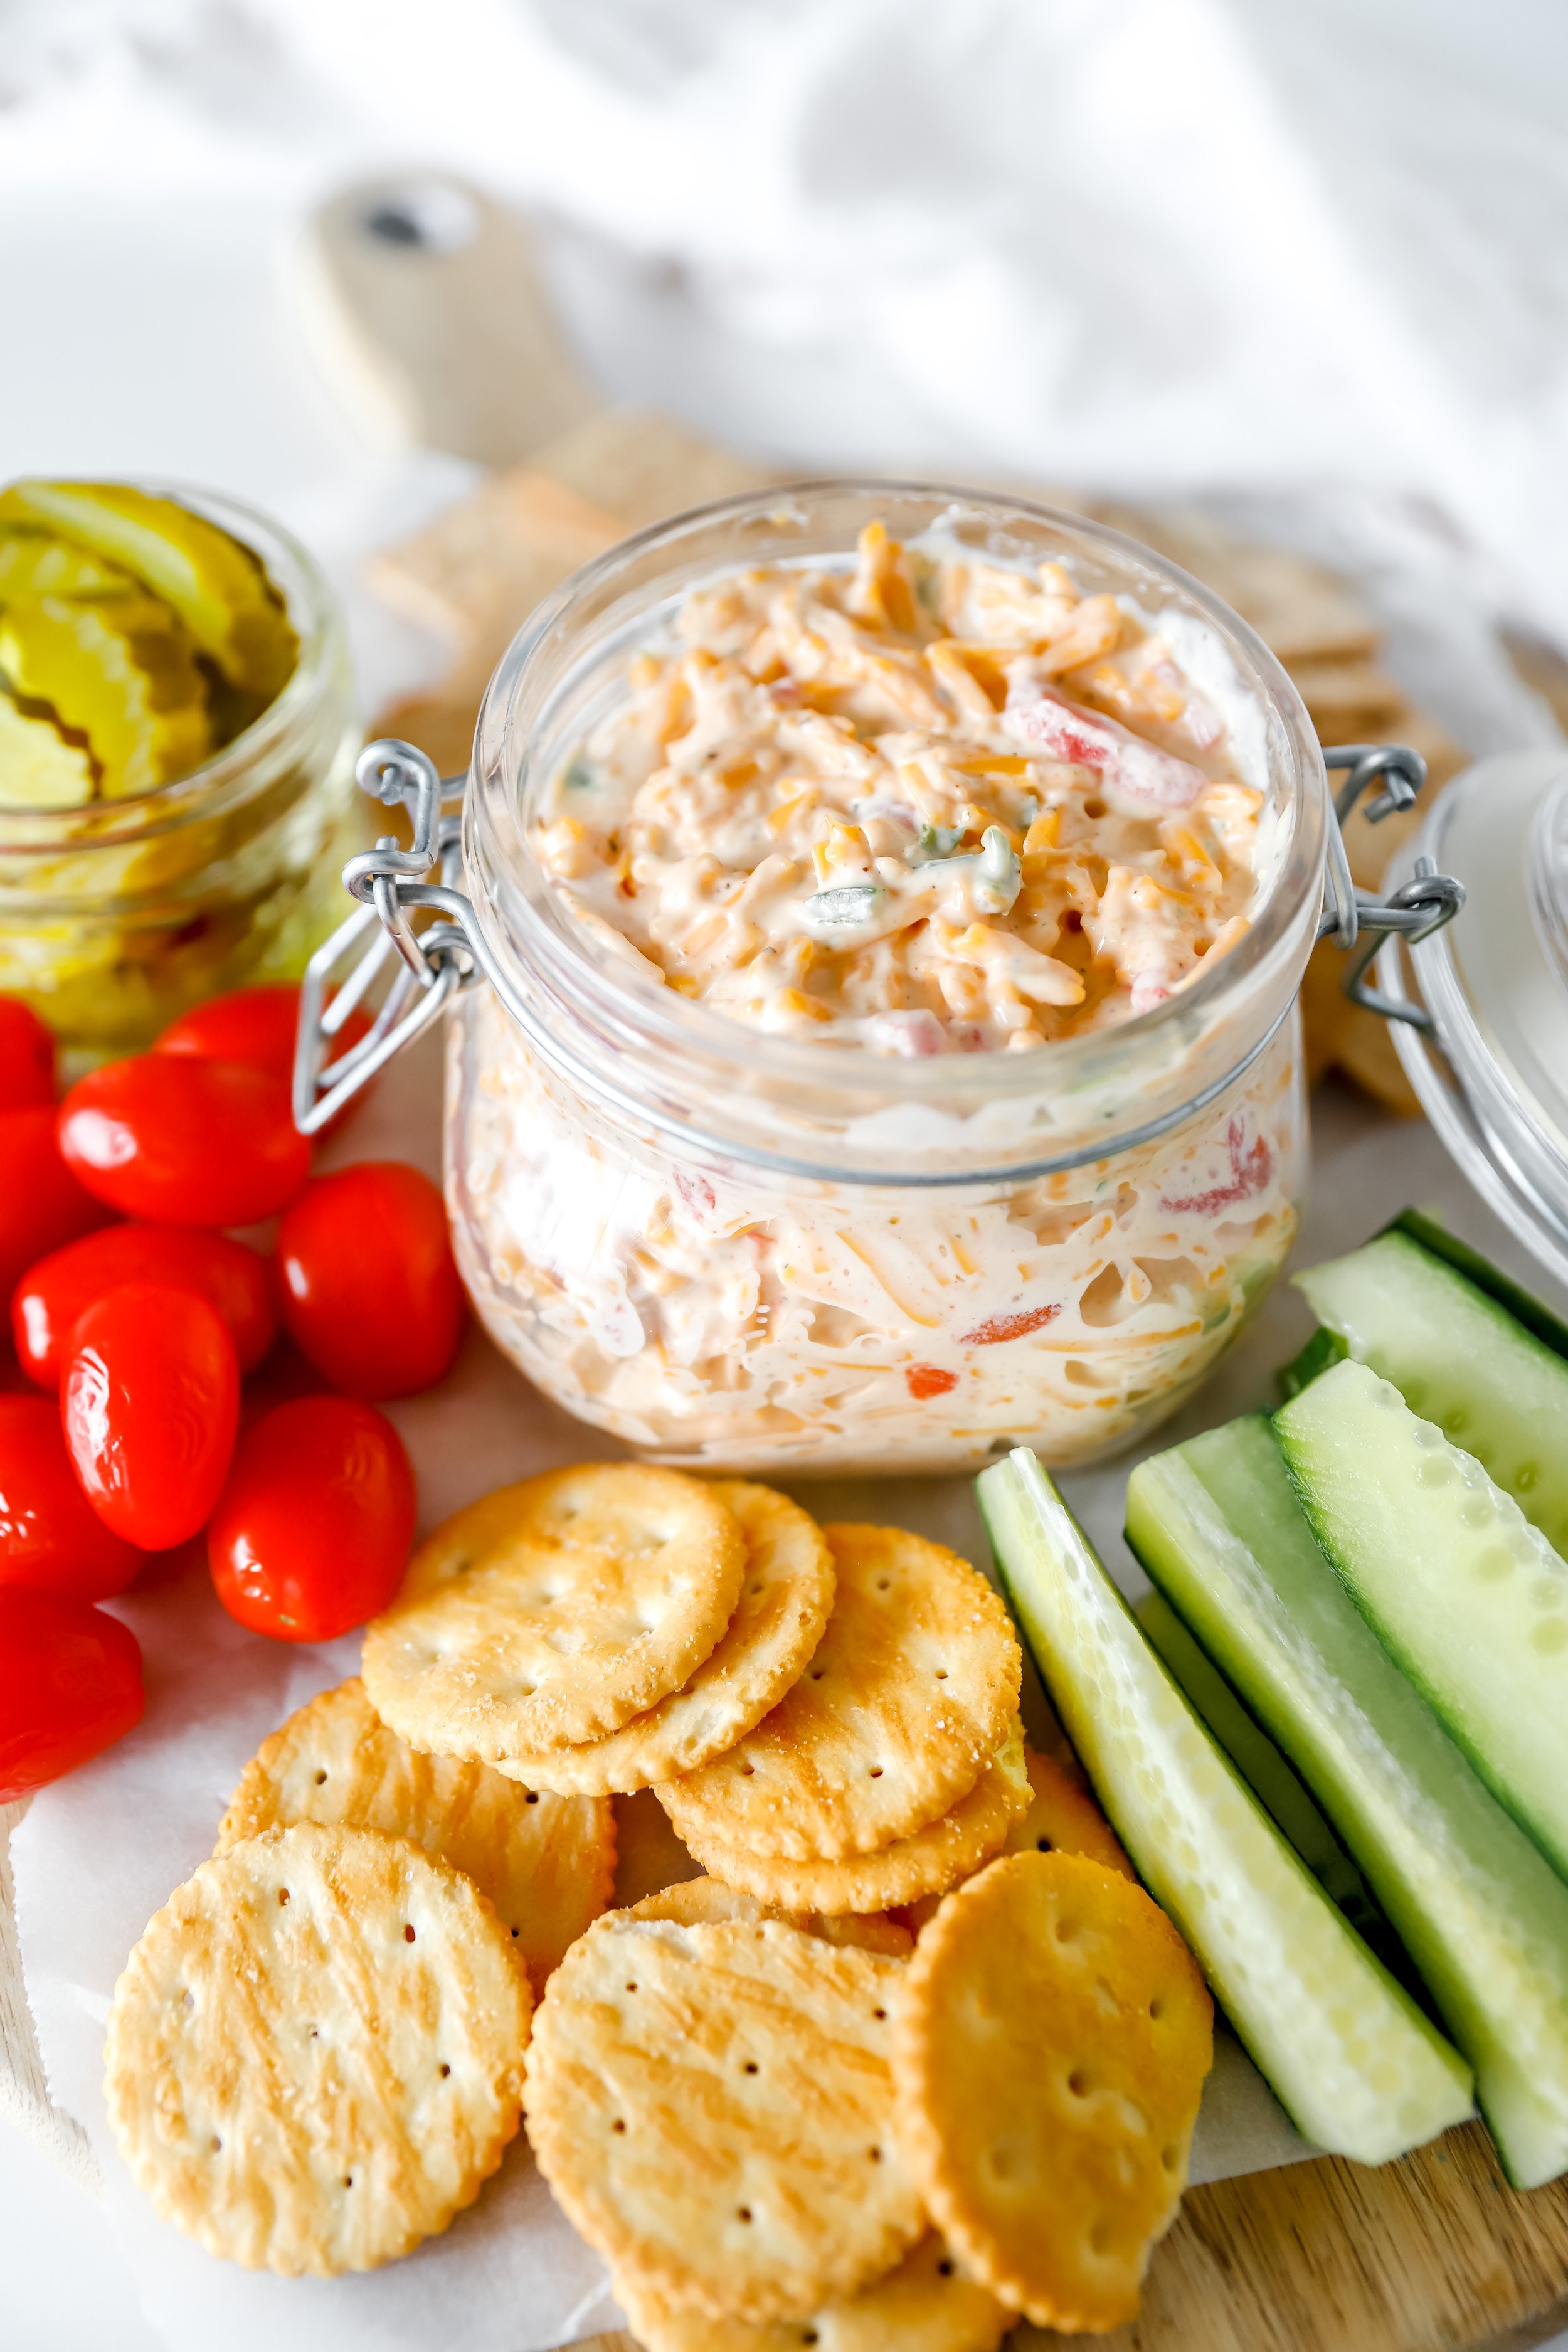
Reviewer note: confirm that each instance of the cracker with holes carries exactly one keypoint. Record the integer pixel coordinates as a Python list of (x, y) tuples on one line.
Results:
[(905, 1698), (697, 1900), (712, 2106), (927, 2304), (928, 1863), (1064, 1819), (315, 2053), (1049, 2052), (779, 1620), (555, 1610), (546, 1863)]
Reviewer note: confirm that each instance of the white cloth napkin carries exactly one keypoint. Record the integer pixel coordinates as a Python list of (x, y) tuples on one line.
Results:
[(1140, 245)]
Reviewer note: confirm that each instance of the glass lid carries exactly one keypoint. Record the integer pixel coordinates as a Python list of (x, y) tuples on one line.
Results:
[(1490, 1065)]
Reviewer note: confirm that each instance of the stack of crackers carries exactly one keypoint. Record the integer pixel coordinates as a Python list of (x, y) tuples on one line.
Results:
[(913, 2054), (475, 574)]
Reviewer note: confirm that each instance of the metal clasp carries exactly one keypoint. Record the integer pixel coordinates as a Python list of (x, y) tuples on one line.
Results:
[(1358, 922), (436, 963)]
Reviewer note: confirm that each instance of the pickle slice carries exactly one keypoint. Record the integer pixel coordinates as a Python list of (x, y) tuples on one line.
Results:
[(36, 563), (39, 768), (122, 672), (214, 581)]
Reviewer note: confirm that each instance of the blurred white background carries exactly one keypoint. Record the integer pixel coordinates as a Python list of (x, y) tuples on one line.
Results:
[(1134, 244)]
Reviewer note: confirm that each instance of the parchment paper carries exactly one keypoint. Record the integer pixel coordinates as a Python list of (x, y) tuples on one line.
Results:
[(100, 1851)]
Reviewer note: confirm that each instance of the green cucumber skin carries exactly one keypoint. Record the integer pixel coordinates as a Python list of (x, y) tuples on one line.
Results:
[(1274, 1783), (1307, 1997), (1217, 1523), (1458, 1358), (1521, 1304), (1322, 1349), (1469, 1599)]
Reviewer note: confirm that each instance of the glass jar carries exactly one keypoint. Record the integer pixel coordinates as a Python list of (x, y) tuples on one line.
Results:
[(742, 1252), (116, 917)]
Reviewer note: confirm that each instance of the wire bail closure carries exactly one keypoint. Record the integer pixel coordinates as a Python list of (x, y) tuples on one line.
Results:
[(451, 954)]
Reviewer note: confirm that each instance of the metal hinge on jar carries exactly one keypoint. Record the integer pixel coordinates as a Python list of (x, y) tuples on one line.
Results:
[(449, 955)]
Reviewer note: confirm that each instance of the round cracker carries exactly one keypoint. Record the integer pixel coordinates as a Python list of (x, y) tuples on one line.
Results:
[(1049, 2054), (555, 1610), (315, 2055), (906, 1696), (934, 1859), (694, 1900), (547, 1863), (712, 2107), (786, 1598), (927, 2304), (1064, 1819)]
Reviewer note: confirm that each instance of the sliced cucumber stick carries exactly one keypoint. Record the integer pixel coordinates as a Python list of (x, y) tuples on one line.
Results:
[(1521, 1304), (1263, 1767), (1458, 1358), (1463, 1592), (1480, 1910), (1348, 2054)]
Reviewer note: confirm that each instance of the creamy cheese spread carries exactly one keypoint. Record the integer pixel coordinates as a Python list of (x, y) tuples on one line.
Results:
[(926, 805)]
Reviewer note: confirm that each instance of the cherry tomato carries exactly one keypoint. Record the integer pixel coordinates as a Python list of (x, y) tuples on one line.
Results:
[(26, 1056), (254, 1026), (42, 1206), (366, 1281), (311, 1532), (183, 1142), (70, 1685), (149, 1404), (52, 1294), (49, 1535)]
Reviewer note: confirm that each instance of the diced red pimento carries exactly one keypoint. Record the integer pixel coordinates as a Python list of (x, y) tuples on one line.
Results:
[(924, 1381), (998, 1327), (1250, 1171), (1136, 776)]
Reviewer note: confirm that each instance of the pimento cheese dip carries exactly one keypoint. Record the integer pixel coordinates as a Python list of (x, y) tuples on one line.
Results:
[(921, 804), (932, 805)]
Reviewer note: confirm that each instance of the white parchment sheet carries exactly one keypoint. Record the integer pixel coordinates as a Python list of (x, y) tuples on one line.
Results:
[(100, 1851)]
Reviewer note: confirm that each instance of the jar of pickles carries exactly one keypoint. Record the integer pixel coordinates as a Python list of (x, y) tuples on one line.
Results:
[(177, 736)]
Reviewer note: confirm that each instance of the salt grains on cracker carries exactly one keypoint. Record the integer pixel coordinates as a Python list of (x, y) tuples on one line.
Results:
[(927, 2304), (547, 1863), (712, 2106), (784, 1607), (555, 1610), (1049, 2051), (314, 2055), (893, 1722)]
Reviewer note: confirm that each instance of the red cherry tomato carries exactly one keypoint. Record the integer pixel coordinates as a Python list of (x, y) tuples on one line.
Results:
[(150, 1402), (254, 1026), (310, 1535), (366, 1281), (183, 1142), (70, 1685), (26, 1056), (49, 1535), (42, 1206), (54, 1293)]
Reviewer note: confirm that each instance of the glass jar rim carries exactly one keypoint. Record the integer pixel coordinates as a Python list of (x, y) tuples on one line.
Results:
[(207, 789), (562, 969)]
